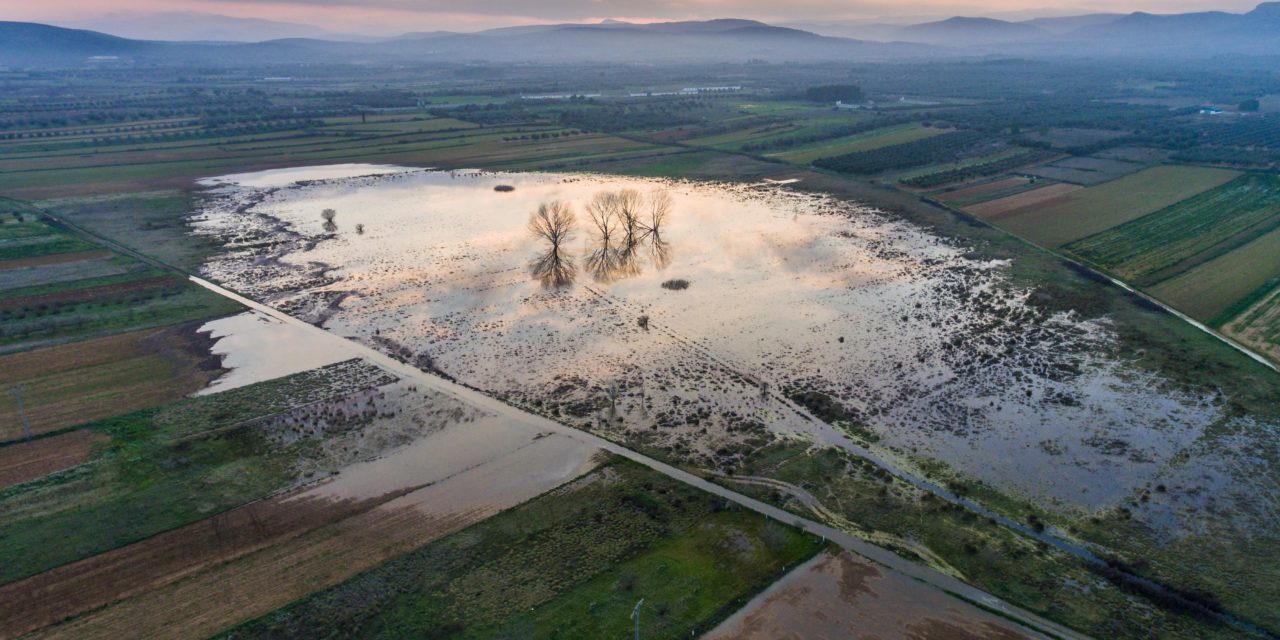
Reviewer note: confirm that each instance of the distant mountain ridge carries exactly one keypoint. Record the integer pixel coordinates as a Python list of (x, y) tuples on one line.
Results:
[(36, 45), (962, 30), (1252, 32), (29, 45)]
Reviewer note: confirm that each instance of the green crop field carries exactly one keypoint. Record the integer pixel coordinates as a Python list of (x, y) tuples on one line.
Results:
[(868, 141), (1212, 288), (1162, 244), (1089, 211)]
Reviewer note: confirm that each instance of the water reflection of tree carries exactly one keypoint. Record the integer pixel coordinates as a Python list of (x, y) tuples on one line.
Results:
[(625, 226), (553, 223)]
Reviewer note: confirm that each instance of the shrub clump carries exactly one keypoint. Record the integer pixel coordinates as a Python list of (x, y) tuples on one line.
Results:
[(676, 285)]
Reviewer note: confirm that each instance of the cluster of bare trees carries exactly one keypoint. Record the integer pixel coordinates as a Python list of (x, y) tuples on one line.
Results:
[(624, 224)]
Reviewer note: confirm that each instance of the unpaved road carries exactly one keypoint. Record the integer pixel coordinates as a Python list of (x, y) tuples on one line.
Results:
[(905, 568)]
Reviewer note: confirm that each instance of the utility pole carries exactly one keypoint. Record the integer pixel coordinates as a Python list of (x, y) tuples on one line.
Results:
[(22, 412), (635, 615)]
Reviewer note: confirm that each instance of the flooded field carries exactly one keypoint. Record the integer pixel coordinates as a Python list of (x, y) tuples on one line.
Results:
[(740, 312), (255, 347), (844, 597)]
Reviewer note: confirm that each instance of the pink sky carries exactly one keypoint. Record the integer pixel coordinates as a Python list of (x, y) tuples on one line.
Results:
[(396, 16)]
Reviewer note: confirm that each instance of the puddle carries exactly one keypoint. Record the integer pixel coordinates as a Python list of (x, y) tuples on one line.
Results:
[(841, 596), (256, 347)]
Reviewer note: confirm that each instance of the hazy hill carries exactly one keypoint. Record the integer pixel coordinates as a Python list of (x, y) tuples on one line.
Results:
[(1067, 24), (961, 31), (1189, 34), (25, 44), (726, 40)]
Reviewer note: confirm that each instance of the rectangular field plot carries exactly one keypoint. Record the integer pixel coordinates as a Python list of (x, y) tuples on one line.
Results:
[(55, 286), (26, 461), (1209, 291), (1258, 326), (1162, 244), (83, 381), (1086, 171), (999, 207), (964, 169), (1088, 211), (876, 139), (983, 191), (944, 147)]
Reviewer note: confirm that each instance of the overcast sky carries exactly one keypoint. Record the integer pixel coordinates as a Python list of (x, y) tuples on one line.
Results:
[(397, 16)]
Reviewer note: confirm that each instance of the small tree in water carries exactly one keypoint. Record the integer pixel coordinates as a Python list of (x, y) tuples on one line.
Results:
[(329, 224)]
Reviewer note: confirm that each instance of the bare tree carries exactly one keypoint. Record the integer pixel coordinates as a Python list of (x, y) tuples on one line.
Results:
[(603, 211), (553, 222), (629, 205), (659, 209)]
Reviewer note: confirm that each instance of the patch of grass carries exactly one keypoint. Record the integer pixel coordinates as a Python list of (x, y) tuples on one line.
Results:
[(572, 563), (676, 164), (152, 223), (49, 245)]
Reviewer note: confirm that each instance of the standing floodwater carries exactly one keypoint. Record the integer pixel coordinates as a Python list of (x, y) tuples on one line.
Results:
[(778, 307)]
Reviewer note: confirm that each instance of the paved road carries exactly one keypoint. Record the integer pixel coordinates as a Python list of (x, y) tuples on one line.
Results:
[(877, 554)]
